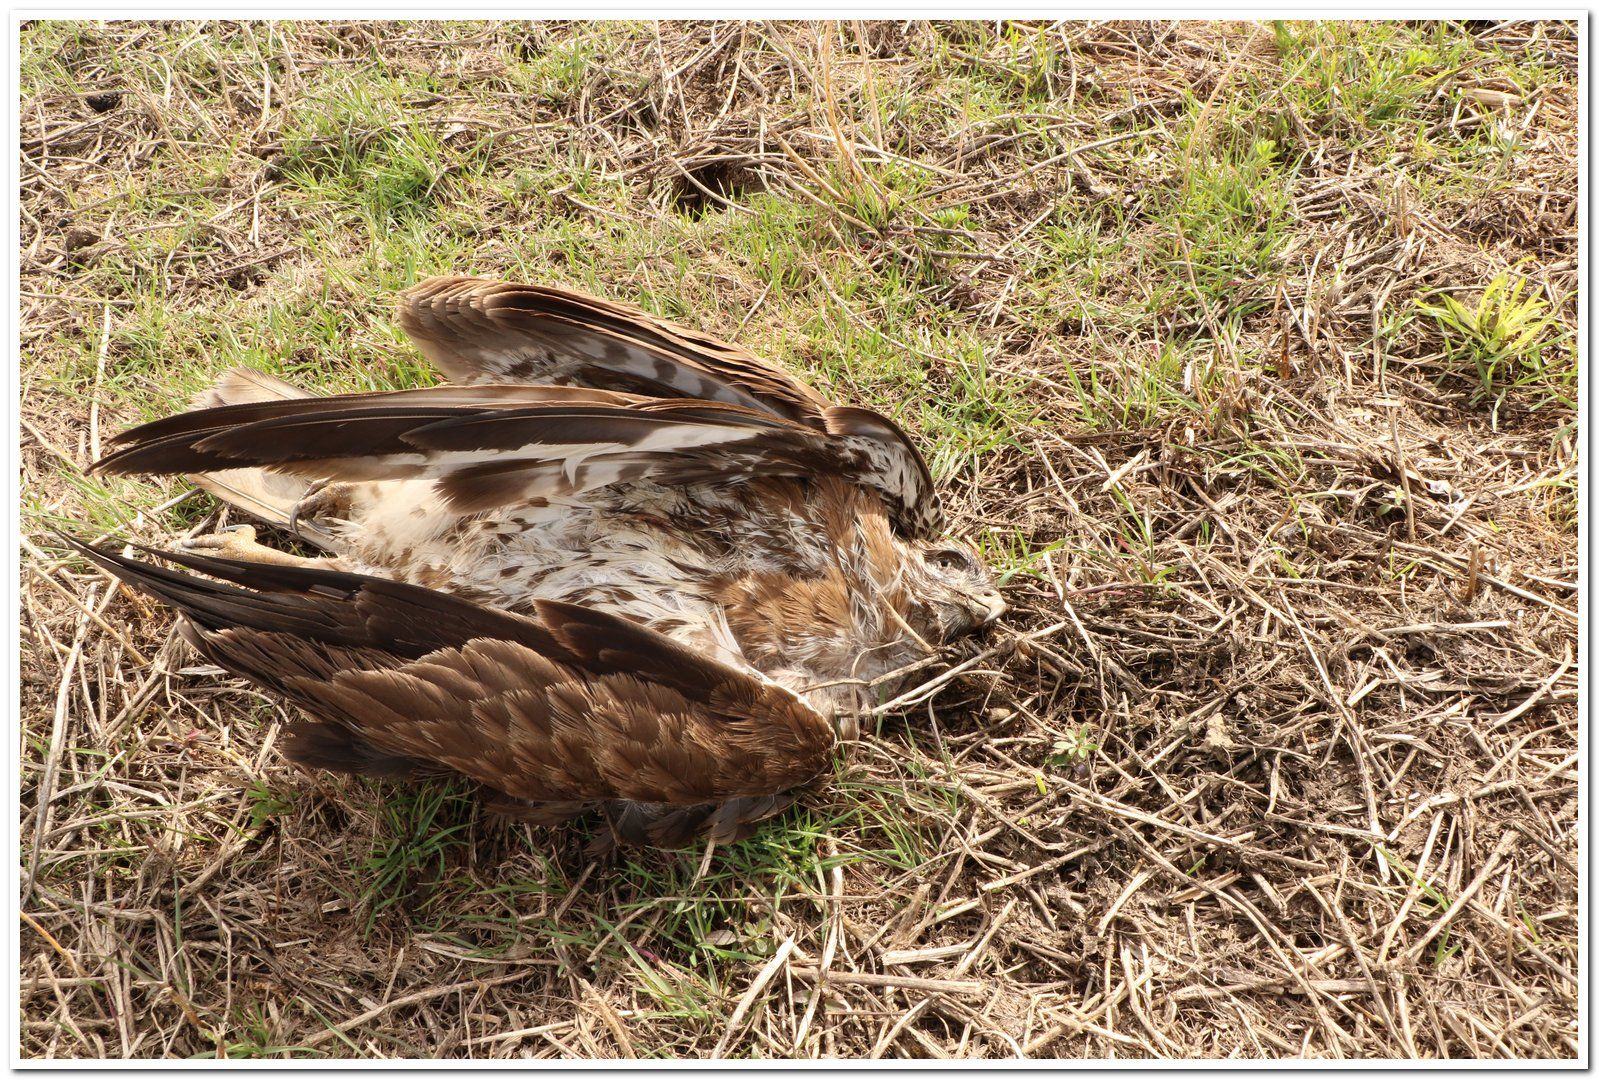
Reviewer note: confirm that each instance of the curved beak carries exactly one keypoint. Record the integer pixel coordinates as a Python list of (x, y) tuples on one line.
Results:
[(985, 605)]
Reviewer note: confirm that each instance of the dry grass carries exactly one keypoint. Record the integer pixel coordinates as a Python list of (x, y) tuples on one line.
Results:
[(1276, 754)]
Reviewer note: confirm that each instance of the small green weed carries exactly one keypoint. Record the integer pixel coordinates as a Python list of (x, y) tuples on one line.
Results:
[(1077, 747), (1511, 339), (264, 805)]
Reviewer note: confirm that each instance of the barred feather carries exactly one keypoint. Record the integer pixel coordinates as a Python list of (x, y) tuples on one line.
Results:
[(573, 706)]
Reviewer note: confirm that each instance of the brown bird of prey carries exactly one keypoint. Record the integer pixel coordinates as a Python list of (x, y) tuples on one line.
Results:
[(613, 565)]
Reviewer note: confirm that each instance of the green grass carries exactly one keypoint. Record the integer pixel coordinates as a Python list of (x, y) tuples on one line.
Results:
[(678, 934), (382, 194), (1164, 298)]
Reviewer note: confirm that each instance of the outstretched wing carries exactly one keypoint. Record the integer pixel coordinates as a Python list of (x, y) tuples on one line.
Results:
[(571, 705), (480, 331), (491, 446)]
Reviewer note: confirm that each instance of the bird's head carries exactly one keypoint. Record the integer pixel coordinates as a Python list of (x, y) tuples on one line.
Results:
[(957, 588)]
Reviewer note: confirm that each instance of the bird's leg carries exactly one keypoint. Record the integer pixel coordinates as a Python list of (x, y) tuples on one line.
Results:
[(322, 504), (238, 542)]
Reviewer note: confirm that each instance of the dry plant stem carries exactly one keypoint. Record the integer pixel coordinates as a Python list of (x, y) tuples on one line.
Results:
[(1261, 762)]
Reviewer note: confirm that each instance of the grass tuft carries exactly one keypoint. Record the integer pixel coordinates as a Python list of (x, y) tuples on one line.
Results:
[(1245, 351)]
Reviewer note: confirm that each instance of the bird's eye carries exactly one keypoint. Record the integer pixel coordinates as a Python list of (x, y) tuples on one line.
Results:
[(953, 559)]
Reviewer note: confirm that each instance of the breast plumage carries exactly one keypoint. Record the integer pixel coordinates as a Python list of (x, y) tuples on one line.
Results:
[(658, 574)]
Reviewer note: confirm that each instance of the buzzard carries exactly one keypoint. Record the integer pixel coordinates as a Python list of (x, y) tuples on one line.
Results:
[(613, 565)]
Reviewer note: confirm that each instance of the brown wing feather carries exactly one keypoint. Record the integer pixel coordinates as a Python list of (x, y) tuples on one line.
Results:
[(138, 444), (571, 706), (491, 446), (732, 416), (475, 330)]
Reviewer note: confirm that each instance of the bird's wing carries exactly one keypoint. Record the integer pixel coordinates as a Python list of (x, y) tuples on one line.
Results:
[(569, 705), (481, 331), (493, 446)]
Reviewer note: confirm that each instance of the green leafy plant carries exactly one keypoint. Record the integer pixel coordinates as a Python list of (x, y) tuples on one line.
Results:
[(1078, 746), (1505, 337), (266, 805)]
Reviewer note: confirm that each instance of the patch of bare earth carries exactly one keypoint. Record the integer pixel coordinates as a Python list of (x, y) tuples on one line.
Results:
[(1275, 754)]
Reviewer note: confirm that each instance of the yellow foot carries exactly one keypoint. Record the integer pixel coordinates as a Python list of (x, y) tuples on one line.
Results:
[(238, 542)]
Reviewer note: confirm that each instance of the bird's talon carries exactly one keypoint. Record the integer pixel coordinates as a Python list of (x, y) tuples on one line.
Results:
[(234, 542)]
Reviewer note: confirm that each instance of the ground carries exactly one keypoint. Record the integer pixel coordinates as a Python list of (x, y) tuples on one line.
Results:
[(1247, 353)]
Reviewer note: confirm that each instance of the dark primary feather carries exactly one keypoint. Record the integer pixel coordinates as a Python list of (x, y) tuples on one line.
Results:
[(573, 705), (163, 445), (489, 446)]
